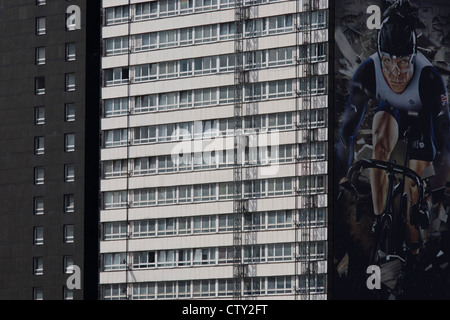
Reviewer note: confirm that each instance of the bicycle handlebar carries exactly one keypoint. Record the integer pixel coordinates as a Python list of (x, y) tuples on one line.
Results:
[(389, 167)]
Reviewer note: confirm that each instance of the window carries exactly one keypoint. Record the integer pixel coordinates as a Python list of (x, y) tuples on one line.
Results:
[(256, 59), (168, 38), (144, 259), (38, 266), (68, 233), (280, 56), (115, 138), (226, 95), (280, 121), (145, 72), (254, 221), (166, 290), (204, 34), (116, 45), (144, 197), (205, 65), (69, 142), (144, 291), (186, 67), (70, 81), (116, 76), (70, 51), (41, 2), (146, 10), (167, 195), (69, 203), (166, 258), (115, 168), (39, 115), (227, 30), (69, 112), (114, 230), (68, 264), (145, 103), (38, 175), (40, 55), (144, 165), (40, 26), (226, 255), (312, 119), (279, 285), (204, 288), (144, 228), (67, 293), (184, 194), (69, 172), (114, 199), (205, 224), (115, 107), (168, 69), (117, 15), (39, 85), (280, 24), (167, 8), (205, 97), (186, 6), (184, 257), (280, 88), (114, 292), (186, 36), (255, 92), (166, 132), (38, 235), (205, 192), (314, 250), (38, 293), (279, 186), (114, 261), (312, 184), (38, 205), (226, 222), (255, 27), (203, 5), (279, 219), (146, 41), (144, 134), (226, 62), (204, 256), (39, 145), (254, 254)]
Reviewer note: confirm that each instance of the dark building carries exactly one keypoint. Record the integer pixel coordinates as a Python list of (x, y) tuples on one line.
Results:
[(49, 98)]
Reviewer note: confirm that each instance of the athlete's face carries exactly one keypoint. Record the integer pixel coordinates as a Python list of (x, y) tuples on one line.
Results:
[(398, 71)]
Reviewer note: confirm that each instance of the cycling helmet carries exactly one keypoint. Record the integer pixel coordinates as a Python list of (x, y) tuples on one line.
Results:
[(397, 37)]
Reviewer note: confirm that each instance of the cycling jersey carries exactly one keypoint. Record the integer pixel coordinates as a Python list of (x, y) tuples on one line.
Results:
[(425, 94)]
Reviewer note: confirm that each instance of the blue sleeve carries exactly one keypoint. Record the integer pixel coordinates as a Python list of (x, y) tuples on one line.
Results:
[(361, 89)]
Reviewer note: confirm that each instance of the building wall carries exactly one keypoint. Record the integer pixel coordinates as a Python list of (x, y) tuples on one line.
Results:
[(19, 131), (131, 196)]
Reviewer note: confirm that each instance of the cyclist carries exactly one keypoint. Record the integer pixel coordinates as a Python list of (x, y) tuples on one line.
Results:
[(401, 80)]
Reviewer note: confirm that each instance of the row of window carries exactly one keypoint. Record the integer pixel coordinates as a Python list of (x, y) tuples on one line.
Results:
[(262, 253), (212, 192), (38, 234), (210, 96), (207, 129), (69, 85), (208, 65), (212, 224), (68, 204), (38, 293), (40, 53), (207, 34), (315, 151), (303, 284), (69, 114), (167, 8)]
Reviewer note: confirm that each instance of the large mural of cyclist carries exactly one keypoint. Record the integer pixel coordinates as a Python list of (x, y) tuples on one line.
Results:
[(392, 77)]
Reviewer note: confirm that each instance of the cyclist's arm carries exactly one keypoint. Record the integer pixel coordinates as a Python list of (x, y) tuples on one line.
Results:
[(434, 94), (362, 83)]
